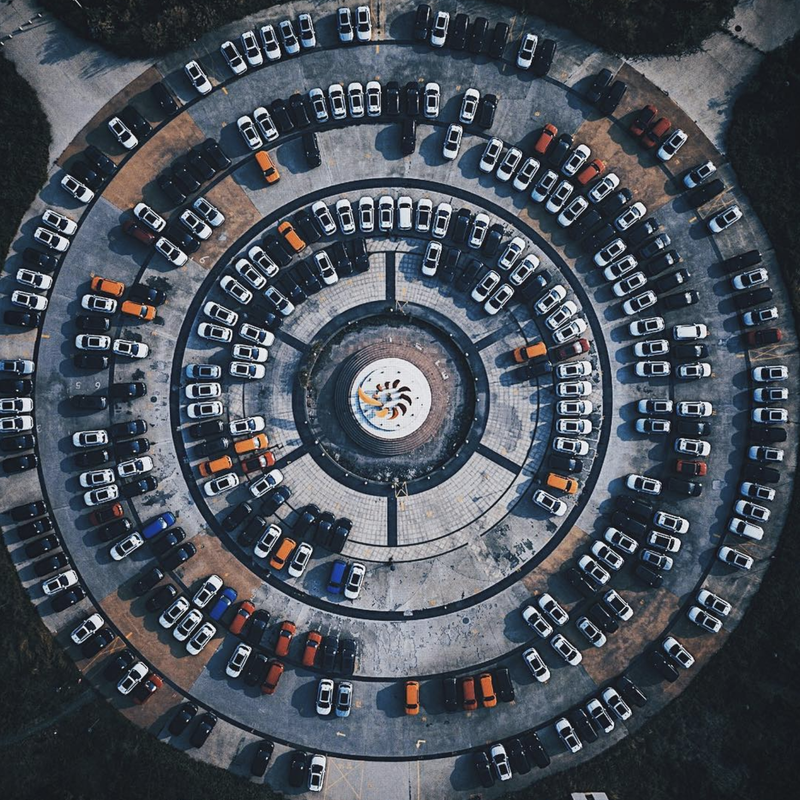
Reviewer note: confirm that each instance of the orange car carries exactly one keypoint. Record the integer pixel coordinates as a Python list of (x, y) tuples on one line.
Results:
[(291, 237), (285, 635), (271, 174), (313, 641), (281, 555), (274, 672), (106, 286), (244, 613), (468, 690), (259, 442), (216, 465), (488, 697), (412, 697), (556, 481), (262, 462), (591, 171), (140, 310), (546, 137), (529, 352)]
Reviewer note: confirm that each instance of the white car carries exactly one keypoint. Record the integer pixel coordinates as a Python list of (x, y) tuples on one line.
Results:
[(363, 24), (693, 371), (252, 353), (125, 347), (672, 144), (745, 529), (575, 160), (527, 172), (49, 238), (651, 348), (238, 660), (355, 99), (173, 612), (198, 77), (713, 602), (247, 426), (344, 212), (572, 330), (187, 626), (247, 370), (252, 52), (268, 481), (325, 268), (511, 253), (491, 155), (566, 311), (248, 131), (617, 605), (498, 299), (699, 174), (260, 336), (750, 279), (201, 638), (640, 302), (269, 41), (222, 484), (573, 447), (324, 704), (599, 575), (485, 286), (766, 454), (430, 100), (536, 665), (611, 252), (279, 301), (622, 266), (724, 219), (288, 37), (566, 650), (452, 141), (439, 29), (15, 405), (614, 701), (630, 216), (692, 447), (599, 716), (92, 342), (610, 557), (469, 106), (318, 104), (59, 583), (567, 735), (171, 252), (534, 618), (300, 559), (233, 58), (89, 627), (424, 215), (500, 762), (214, 333), (33, 302), (664, 542), (318, 764), (760, 316), (574, 408), (643, 484), (97, 438), (373, 93), (653, 426), (96, 497), (704, 620), (547, 302), (195, 225), (366, 215), (694, 408), (78, 190), (574, 389), (124, 548), (405, 210), (621, 540), (135, 466), (430, 261), (572, 211), (220, 313), (735, 558), (59, 223), (441, 220), (670, 522), (209, 212), (603, 188), (559, 197), (647, 326), (263, 547), (775, 372), (477, 234), (549, 503), (96, 477), (337, 102), (676, 651), (36, 280), (16, 424), (355, 580), (308, 38), (507, 167), (385, 213), (266, 128), (132, 678), (207, 591), (524, 269), (212, 408), (574, 369), (574, 427), (755, 491), (249, 273), (122, 133), (652, 369), (527, 48)]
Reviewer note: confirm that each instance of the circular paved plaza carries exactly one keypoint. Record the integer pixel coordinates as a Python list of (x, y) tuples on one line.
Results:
[(383, 460)]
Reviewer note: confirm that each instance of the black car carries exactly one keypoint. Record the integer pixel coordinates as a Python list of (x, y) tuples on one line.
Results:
[(673, 280), (179, 723), (735, 264), (22, 319), (64, 600), (84, 173), (661, 262), (518, 757), (199, 430), (534, 285), (203, 729), (450, 694), (299, 111), (360, 255), (34, 528), (499, 38), (27, 511), (460, 229), (536, 751), (41, 546), (307, 227), (601, 617), (487, 108), (648, 576), (93, 323), (161, 598), (703, 194), (449, 265), (342, 262), (662, 664), (634, 506), (257, 667), (44, 262), (147, 581), (276, 250), (257, 629), (183, 239), (170, 188), (565, 463), (16, 444), (281, 117), (102, 639), (115, 669), (422, 22), (584, 225), (640, 232), (307, 521), (275, 499), (261, 757), (758, 296), (298, 768), (614, 203), (237, 516), (114, 529), (558, 152), (692, 427), (311, 149), (214, 153), (324, 530), (680, 300), (147, 294), (131, 116), (759, 474), (654, 247), (340, 534), (212, 446), (503, 685), (494, 238), (164, 98), (199, 165), (767, 435), (92, 458), (349, 650), (253, 531), (478, 35), (600, 238), (408, 136), (93, 361), (167, 541), (20, 463), (183, 176), (457, 35), (391, 99), (141, 486), (411, 93), (630, 692), (178, 556), (330, 649), (128, 391), (599, 85), (543, 57), (483, 766), (582, 724), (633, 527), (100, 161), (307, 278), (133, 447), (290, 287), (579, 582), (689, 352), (608, 105), (680, 486)]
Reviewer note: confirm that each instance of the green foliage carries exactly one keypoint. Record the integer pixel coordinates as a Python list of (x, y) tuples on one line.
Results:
[(24, 150), (762, 147)]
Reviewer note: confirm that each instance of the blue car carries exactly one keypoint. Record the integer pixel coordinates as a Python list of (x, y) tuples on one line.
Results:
[(159, 524), (336, 581), (226, 599)]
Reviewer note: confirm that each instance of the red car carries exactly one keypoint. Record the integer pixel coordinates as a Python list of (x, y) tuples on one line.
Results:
[(546, 137), (643, 119), (138, 232), (106, 514), (591, 171), (285, 635), (654, 134), (572, 349), (313, 641), (274, 672), (765, 336), (242, 615), (693, 468), (147, 688), (262, 462)]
